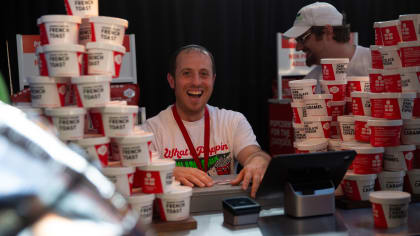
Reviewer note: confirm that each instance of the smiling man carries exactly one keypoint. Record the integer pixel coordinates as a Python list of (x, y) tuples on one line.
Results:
[(204, 140), (320, 33)]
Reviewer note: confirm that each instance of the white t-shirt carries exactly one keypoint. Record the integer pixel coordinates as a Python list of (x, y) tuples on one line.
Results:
[(230, 132), (358, 66)]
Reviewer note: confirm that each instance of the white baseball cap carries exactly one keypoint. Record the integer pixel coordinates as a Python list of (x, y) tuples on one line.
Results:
[(315, 14)]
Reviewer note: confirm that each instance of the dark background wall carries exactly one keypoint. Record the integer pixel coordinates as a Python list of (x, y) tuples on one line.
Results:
[(240, 33)]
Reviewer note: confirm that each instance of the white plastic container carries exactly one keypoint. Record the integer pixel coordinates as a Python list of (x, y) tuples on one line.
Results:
[(92, 91), (312, 145), (409, 79), (317, 126), (392, 106), (369, 160), (346, 124), (336, 87), (357, 187), (385, 133), (409, 52), (157, 176), (104, 58), (376, 81), (410, 133), (392, 80), (97, 147), (142, 204), (390, 31), (64, 60), (390, 208), (48, 91), (81, 8), (391, 180), (337, 109), (413, 181), (299, 132), (376, 57), (378, 34), (334, 68), (318, 104), (59, 29), (69, 121), (410, 24), (361, 130), (114, 120), (135, 149), (301, 88), (361, 104), (299, 111), (175, 205), (357, 84), (108, 29), (122, 177), (390, 57), (399, 158)]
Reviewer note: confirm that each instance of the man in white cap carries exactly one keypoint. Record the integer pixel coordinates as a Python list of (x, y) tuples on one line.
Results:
[(320, 33)]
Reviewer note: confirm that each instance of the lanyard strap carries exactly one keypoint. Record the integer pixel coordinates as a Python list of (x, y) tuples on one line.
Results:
[(188, 139)]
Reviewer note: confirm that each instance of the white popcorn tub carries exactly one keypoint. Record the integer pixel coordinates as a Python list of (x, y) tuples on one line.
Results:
[(392, 80), (391, 180), (390, 208), (69, 121), (299, 132), (392, 106), (337, 109), (413, 180), (361, 130), (378, 34), (346, 124), (357, 84), (391, 34), (48, 92), (334, 68), (337, 88), (409, 52), (376, 81), (410, 24), (369, 160), (357, 187), (175, 205), (122, 177), (409, 79), (312, 145), (410, 133), (104, 58), (390, 57), (318, 104), (376, 57), (135, 149), (97, 147), (301, 88), (361, 104), (142, 204), (92, 91), (108, 29), (399, 158), (64, 60), (317, 126), (83, 8), (59, 29), (157, 176), (385, 133), (114, 120), (299, 111)]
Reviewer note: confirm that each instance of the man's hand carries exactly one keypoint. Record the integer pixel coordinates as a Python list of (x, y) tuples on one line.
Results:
[(192, 177), (255, 164)]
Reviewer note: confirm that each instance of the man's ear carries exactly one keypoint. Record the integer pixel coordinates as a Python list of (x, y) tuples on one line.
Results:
[(171, 80)]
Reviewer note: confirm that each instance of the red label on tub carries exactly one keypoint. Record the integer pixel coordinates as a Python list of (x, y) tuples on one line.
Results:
[(409, 159), (80, 61), (354, 86), (408, 31), (392, 83), (379, 216), (368, 163), (326, 125), (92, 26), (410, 56), (137, 179), (161, 209), (357, 106), (68, 8), (377, 107), (151, 182), (97, 122), (328, 72), (337, 111), (102, 152), (117, 63), (77, 94), (390, 35), (385, 136), (392, 109), (296, 117), (376, 59), (62, 90), (416, 107), (338, 91), (377, 83), (43, 34), (351, 190), (407, 184), (361, 131), (378, 37), (42, 64)]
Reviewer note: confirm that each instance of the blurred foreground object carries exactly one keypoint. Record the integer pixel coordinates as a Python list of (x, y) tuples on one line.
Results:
[(4, 94)]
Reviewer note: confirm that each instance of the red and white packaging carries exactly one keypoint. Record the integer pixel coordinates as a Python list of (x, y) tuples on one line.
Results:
[(135, 149), (349, 106), (410, 24), (378, 34), (361, 103), (376, 57), (410, 79), (391, 34), (312, 145), (299, 132), (108, 29), (69, 121), (399, 158), (64, 60), (318, 104), (85, 32), (337, 109), (410, 53), (377, 102), (336, 87), (410, 133), (41, 61), (114, 120), (334, 144), (335, 130), (97, 147), (174, 205), (357, 84), (369, 160), (385, 133), (59, 29), (390, 180), (392, 80), (157, 176), (92, 91), (104, 59), (129, 93), (412, 181), (334, 68), (346, 125), (301, 88), (299, 111), (82, 8), (389, 208), (317, 126), (390, 57), (357, 187), (376, 81), (142, 204), (122, 177), (361, 130), (48, 91), (392, 106)]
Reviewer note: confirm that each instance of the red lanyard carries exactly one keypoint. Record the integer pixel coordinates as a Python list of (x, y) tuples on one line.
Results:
[(188, 139)]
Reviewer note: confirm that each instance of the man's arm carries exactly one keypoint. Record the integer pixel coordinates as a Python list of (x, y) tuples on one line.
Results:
[(255, 163)]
